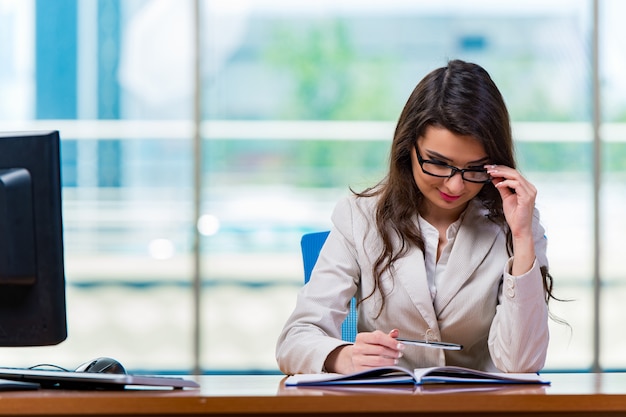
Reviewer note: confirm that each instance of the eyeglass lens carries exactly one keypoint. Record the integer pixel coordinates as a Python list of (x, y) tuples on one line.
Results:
[(447, 171)]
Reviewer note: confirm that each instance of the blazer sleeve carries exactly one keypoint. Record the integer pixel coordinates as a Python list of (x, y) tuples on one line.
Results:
[(519, 335), (313, 330)]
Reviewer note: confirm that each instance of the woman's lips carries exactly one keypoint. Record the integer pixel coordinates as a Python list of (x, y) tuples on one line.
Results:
[(449, 198)]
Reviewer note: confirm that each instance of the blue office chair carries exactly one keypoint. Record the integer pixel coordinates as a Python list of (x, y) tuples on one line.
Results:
[(311, 244)]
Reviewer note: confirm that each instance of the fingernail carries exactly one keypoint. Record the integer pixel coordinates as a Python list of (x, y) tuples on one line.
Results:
[(400, 354), (395, 361), (400, 346)]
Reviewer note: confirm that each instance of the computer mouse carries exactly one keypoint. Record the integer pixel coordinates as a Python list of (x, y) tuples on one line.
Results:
[(102, 365)]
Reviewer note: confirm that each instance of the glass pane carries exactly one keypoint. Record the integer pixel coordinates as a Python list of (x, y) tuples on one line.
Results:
[(330, 62), (123, 108), (613, 61)]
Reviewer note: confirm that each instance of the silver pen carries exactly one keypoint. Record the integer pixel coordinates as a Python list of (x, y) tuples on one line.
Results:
[(426, 343)]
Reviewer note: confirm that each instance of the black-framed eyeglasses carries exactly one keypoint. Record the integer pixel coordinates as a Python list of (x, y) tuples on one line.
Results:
[(442, 170)]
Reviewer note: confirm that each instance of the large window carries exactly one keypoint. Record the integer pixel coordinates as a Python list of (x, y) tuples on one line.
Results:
[(297, 103)]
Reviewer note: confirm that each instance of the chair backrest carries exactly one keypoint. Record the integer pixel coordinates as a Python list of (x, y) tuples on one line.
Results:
[(311, 245)]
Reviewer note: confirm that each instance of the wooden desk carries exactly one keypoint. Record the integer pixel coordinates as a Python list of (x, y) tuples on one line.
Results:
[(569, 394)]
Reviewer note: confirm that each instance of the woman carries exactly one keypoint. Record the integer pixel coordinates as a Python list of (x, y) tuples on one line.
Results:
[(447, 247)]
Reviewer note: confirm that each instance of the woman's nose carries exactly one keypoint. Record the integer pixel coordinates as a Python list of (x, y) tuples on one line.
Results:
[(455, 183)]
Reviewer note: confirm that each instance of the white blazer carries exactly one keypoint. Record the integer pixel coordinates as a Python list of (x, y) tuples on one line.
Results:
[(501, 320)]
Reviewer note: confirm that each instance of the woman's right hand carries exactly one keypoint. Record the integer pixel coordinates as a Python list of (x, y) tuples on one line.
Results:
[(370, 350)]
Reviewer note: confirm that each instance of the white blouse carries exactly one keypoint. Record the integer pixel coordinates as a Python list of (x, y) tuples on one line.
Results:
[(434, 268)]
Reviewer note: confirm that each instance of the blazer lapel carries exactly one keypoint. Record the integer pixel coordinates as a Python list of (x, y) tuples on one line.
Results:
[(473, 242), (410, 271)]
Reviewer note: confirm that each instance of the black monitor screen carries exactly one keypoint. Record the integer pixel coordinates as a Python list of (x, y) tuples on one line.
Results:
[(32, 280)]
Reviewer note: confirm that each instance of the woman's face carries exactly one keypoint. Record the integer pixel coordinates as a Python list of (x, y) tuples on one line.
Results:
[(447, 197)]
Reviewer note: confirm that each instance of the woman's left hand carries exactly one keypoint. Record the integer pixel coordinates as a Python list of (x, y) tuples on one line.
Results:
[(518, 203), (518, 198)]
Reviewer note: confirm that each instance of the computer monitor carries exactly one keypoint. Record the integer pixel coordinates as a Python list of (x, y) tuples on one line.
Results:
[(32, 278)]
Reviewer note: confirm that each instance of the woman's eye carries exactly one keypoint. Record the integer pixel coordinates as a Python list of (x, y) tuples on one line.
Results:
[(435, 161)]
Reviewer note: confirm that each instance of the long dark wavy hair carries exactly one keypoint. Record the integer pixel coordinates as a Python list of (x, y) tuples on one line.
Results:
[(463, 99)]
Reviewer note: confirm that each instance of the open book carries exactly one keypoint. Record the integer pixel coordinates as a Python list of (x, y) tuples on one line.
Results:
[(420, 376)]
